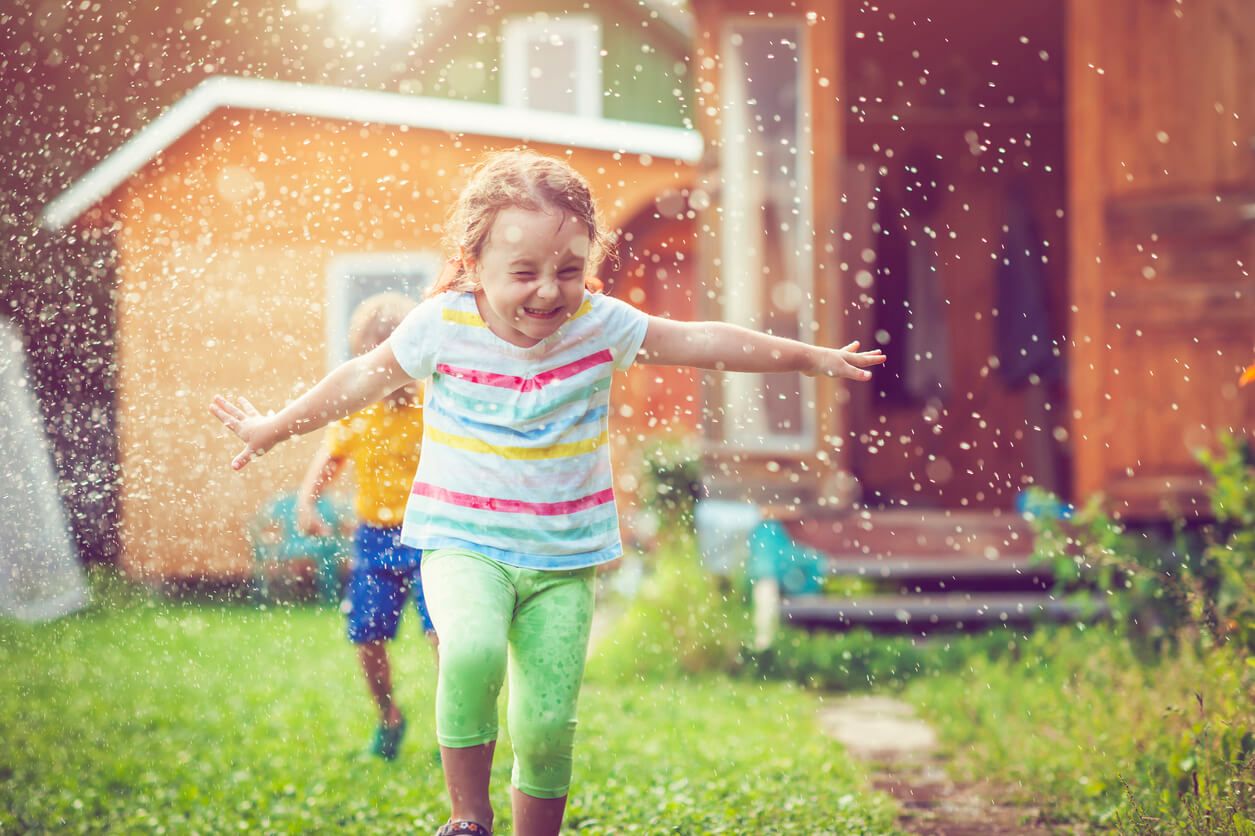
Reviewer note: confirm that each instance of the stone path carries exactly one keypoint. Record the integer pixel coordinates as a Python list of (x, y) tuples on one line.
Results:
[(902, 751)]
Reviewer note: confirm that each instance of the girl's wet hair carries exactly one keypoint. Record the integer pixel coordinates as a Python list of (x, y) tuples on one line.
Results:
[(520, 179), (374, 320)]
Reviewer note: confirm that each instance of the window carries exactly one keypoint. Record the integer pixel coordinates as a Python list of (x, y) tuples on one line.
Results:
[(552, 64), (766, 240), (352, 279)]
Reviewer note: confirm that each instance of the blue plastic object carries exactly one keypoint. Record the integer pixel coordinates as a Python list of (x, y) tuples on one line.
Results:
[(774, 554), (276, 538), (1043, 505)]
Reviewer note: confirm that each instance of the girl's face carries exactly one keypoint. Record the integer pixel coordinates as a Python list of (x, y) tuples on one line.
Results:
[(531, 273)]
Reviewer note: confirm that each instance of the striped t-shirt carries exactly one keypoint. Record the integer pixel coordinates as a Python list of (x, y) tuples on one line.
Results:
[(516, 456)]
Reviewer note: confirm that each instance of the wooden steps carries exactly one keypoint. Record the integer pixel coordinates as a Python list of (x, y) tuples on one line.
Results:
[(926, 570), (992, 535), (955, 611), (942, 572)]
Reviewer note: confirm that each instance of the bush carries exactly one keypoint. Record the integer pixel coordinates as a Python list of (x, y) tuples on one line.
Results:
[(1195, 583), (671, 479), (682, 621)]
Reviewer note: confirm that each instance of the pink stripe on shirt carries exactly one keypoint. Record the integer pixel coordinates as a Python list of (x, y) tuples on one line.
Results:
[(528, 384), (513, 506)]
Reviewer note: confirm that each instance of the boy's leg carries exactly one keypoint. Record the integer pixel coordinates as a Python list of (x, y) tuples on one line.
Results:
[(549, 642), (471, 601), (420, 604), (374, 658), (373, 605)]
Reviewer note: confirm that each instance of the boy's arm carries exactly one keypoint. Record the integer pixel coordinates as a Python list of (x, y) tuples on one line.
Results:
[(726, 347), (323, 468), (350, 387)]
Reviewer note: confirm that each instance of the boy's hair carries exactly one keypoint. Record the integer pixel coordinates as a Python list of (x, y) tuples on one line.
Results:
[(375, 319), (516, 178)]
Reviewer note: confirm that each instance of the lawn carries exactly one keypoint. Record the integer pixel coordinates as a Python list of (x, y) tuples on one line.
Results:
[(1080, 723), (149, 716)]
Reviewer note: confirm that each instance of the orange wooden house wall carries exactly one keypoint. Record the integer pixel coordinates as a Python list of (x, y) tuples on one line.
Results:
[(224, 243), (1161, 100)]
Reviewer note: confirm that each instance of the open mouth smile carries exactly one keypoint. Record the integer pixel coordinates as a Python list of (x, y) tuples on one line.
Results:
[(536, 313)]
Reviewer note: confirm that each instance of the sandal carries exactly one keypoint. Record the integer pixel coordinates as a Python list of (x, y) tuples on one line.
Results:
[(463, 828), (388, 740)]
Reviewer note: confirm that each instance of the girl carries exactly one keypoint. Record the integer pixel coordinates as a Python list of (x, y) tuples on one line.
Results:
[(512, 502)]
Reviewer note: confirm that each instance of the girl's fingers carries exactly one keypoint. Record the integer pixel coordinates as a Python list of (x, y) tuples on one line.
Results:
[(248, 408), (222, 411)]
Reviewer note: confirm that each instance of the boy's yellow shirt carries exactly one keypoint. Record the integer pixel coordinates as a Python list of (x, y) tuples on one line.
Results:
[(382, 441)]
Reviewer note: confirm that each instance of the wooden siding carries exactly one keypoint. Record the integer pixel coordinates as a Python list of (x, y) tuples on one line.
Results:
[(1162, 180)]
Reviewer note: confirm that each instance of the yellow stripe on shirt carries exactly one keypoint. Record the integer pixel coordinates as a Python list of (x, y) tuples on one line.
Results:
[(463, 317), (557, 451), (473, 318)]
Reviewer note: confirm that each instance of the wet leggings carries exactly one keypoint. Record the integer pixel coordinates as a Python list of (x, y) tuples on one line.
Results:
[(480, 607)]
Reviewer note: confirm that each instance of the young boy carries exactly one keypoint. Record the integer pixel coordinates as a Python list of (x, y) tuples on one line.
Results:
[(382, 442)]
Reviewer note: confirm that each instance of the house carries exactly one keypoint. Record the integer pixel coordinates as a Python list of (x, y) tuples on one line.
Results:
[(1042, 211), (252, 216)]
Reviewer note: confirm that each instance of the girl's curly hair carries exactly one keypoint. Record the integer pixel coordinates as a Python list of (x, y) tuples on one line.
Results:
[(523, 179)]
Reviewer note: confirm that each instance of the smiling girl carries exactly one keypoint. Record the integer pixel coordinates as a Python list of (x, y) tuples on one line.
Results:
[(512, 503)]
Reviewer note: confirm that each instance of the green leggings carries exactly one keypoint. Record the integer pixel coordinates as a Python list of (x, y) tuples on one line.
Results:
[(480, 607)]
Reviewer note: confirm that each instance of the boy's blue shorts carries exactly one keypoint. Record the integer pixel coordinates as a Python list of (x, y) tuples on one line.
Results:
[(384, 573)]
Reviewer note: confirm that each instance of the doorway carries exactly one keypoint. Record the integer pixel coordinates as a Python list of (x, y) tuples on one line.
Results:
[(954, 250)]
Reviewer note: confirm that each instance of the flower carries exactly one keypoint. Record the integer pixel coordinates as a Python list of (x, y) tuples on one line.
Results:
[(1247, 376)]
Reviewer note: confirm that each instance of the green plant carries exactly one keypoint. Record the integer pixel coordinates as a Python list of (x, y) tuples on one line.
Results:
[(1143, 579), (671, 478), (1227, 563), (682, 621)]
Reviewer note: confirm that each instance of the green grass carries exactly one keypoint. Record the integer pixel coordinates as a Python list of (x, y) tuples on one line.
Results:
[(160, 717), (1094, 731)]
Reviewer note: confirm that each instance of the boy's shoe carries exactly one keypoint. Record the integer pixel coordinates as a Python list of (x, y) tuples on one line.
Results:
[(388, 740)]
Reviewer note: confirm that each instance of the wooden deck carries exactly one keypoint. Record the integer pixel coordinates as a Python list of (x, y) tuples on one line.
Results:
[(930, 570)]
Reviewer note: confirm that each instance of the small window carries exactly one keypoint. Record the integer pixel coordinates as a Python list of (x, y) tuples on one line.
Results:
[(552, 64), (354, 278)]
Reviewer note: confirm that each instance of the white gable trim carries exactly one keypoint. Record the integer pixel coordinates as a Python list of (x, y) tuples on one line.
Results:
[(361, 106)]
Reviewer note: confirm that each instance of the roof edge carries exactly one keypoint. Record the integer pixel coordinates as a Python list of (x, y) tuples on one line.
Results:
[(369, 106)]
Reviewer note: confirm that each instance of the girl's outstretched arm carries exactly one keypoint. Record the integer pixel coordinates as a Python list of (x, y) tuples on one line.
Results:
[(726, 347), (350, 387)]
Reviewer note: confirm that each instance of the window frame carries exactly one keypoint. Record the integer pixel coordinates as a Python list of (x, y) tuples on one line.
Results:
[(518, 33), (423, 263), (729, 393)]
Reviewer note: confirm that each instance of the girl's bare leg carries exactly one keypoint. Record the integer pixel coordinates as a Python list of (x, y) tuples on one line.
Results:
[(466, 773), (536, 816)]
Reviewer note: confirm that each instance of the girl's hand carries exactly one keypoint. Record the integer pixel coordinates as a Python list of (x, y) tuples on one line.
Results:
[(847, 362), (253, 428)]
